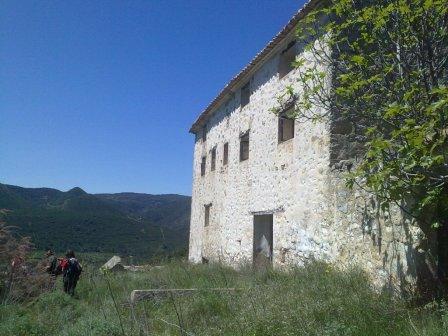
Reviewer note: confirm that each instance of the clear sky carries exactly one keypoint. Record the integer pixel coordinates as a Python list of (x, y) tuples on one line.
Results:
[(101, 94)]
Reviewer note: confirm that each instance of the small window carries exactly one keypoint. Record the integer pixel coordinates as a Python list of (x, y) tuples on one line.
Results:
[(207, 214), (213, 165), (245, 94), (204, 134), (244, 146), (285, 126), (225, 158), (287, 56), (203, 164)]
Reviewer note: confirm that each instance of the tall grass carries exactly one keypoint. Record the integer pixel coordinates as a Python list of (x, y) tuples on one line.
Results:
[(314, 300)]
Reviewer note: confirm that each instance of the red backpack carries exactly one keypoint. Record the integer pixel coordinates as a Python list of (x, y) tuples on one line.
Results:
[(63, 264)]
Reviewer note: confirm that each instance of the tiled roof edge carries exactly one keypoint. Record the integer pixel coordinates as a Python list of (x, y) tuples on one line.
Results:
[(208, 112)]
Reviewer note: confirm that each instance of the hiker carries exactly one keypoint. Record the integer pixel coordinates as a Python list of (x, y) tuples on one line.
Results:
[(52, 264), (52, 267), (71, 270)]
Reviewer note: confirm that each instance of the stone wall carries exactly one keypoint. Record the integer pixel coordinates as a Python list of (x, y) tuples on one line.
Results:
[(384, 244), (287, 179), (299, 181), (389, 245)]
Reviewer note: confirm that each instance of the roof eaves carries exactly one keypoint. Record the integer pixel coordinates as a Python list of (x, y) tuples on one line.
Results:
[(235, 81)]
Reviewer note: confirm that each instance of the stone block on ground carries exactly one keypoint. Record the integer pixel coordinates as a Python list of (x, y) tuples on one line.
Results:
[(113, 264)]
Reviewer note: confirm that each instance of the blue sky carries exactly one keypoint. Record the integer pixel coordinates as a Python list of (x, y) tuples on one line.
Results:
[(101, 94)]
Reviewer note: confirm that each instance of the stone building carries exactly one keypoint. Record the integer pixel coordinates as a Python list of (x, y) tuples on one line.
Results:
[(268, 189)]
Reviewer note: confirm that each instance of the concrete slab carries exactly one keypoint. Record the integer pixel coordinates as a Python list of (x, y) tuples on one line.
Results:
[(158, 294)]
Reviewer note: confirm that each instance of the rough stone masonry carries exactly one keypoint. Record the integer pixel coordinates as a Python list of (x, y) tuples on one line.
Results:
[(270, 190)]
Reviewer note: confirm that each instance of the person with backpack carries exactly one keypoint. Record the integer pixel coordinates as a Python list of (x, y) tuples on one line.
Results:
[(51, 263), (71, 270)]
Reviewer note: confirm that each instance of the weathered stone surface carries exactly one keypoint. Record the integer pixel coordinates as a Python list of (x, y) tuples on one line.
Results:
[(113, 264), (301, 182)]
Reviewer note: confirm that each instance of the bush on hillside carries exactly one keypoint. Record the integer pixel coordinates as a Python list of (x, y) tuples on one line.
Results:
[(19, 280)]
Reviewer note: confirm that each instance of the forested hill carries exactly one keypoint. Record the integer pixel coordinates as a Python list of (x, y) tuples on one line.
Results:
[(124, 223)]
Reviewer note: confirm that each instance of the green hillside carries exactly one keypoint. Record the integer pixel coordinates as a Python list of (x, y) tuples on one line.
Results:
[(125, 223)]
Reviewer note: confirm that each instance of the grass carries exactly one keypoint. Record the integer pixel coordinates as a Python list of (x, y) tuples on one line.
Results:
[(315, 300)]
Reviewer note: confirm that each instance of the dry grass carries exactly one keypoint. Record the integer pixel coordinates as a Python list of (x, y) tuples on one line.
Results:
[(315, 300)]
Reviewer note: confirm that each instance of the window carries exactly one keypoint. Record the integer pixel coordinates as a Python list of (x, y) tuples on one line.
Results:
[(204, 133), (285, 126), (213, 165), (225, 158), (245, 94), (244, 146), (207, 214), (287, 56), (203, 163)]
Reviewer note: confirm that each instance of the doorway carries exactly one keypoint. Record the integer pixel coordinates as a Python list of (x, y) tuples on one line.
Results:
[(262, 244)]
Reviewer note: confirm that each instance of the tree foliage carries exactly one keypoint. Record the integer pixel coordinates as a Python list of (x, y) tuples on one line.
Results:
[(385, 68)]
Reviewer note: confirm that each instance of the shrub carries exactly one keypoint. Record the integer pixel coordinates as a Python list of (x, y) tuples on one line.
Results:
[(19, 280)]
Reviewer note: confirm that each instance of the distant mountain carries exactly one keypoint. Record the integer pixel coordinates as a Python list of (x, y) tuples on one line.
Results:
[(124, 223), (163, 210)]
